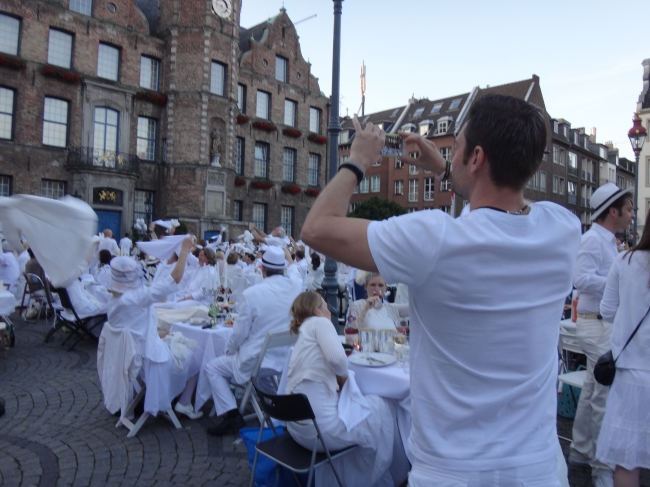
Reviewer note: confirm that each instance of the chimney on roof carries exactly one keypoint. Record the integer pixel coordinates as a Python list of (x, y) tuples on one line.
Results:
[(592, 136), (581, 130)]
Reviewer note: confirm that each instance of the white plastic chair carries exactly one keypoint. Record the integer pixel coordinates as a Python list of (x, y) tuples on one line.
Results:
[(273, 340)]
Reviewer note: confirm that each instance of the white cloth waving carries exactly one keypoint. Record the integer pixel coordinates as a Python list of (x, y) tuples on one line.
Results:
[(59, 232)]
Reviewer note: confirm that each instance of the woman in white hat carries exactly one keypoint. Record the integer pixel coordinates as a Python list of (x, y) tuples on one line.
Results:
[(131, 307)]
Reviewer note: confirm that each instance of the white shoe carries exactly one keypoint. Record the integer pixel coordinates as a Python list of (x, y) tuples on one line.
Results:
[(187, 411), (603, 479)]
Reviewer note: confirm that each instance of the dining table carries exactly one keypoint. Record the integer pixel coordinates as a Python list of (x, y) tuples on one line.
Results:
[(7, 302), (390, 382), (213, 340)]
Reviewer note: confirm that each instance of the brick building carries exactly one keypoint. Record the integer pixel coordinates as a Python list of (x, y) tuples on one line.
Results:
[(159, 109), (572, 168)]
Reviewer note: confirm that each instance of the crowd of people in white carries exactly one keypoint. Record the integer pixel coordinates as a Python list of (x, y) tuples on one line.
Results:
[(484, 298)]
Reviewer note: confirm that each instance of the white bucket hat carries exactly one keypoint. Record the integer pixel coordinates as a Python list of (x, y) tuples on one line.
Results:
[(604, 196), (273, 258), (124, 274)]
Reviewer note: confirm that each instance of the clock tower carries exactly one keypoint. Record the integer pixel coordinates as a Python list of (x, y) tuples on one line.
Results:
[(201, 81)]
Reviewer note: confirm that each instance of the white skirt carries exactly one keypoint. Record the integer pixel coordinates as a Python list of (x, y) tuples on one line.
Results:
[(377, 462), (625, 434)]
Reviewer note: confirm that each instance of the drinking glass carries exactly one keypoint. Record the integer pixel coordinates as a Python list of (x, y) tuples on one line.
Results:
[(367, 339), (406, 357), (399, 341), (386, 340), (352, 337)]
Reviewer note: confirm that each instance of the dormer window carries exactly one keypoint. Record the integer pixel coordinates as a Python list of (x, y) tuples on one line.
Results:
[(436, 108), (443, 125), (455, 104), (564, 129), (576, 138), (425, 126), (418, 112), (555, 126), (408, 128), (344, 136)]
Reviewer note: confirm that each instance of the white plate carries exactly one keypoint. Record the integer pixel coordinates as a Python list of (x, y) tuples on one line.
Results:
[(376, 359)]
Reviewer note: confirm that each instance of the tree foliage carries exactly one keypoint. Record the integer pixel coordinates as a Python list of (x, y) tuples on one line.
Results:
[(377, 209)]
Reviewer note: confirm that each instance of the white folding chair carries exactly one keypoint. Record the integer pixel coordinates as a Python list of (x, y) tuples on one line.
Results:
[(114, 343), (273, 340)]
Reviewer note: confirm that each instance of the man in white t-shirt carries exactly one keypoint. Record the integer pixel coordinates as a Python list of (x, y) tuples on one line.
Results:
[(109, 243), (485, 294)]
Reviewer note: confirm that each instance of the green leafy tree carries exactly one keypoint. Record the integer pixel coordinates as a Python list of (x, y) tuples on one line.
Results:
[(181, 229), (377, 209)]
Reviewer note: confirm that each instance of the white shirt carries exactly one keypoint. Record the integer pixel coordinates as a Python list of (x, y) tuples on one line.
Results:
[(597, 252), (22, 259), (317, 356), (125, 246), (315, 277), (277, 241), (485, 293), (625, 301), (108, 244), (263, 308)]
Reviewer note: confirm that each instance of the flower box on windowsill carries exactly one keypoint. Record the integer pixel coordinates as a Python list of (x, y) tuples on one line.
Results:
[(241, 119), (289, 132), (262, 184), (12, 62), (266, 126), (152, 97), (62, 74), (291, 189), (317, 139), (313, 192), (240, 182)]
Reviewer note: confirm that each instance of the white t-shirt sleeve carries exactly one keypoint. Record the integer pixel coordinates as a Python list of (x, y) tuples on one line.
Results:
[(402, 244)]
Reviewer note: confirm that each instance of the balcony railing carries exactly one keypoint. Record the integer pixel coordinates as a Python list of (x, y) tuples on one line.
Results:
[(413, 197), (428, 196), (89, 158)]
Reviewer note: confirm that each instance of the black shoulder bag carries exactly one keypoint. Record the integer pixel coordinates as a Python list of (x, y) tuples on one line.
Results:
[(605, 368)]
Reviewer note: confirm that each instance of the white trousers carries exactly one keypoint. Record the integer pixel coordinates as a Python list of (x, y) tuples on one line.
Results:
[(220, 371), (594, 340)]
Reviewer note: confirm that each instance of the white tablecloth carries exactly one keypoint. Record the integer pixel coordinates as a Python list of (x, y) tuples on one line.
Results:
[(390, 382), (7, 302), (213, 341)]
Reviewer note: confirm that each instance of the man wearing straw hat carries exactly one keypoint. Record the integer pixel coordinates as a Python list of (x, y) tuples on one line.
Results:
[(264, 308), (611, 212)]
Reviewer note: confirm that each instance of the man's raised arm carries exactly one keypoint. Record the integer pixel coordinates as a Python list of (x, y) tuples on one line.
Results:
[(327, 229)]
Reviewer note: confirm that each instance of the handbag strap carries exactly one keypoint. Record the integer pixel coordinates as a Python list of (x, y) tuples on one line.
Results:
[(632, 335)]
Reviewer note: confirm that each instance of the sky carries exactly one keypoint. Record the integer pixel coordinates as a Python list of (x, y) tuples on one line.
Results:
[(588, 54)]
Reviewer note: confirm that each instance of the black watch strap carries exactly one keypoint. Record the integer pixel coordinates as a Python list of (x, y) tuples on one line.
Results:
[(355, 168)]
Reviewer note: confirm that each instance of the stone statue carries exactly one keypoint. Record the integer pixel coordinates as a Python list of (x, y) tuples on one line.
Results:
[(215, 148)]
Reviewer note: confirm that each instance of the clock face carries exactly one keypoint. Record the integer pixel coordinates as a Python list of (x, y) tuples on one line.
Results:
[(223, 8)]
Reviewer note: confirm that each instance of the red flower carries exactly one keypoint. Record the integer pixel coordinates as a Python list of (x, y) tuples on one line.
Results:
[(240, 182), (290, 132), (291, 189), (63, 74), (318, 139), (152, 96), (266, 126), (262, 184), (241, 118), (12, 62), (312, 192)]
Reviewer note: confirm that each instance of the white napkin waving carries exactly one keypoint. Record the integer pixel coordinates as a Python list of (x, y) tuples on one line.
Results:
[(353, 407)]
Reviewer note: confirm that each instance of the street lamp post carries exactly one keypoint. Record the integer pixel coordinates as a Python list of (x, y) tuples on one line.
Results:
[(637, 135), (330, 282)]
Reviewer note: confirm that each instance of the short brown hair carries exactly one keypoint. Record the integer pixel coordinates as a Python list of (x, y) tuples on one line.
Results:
[(303, 307), (232, 258)]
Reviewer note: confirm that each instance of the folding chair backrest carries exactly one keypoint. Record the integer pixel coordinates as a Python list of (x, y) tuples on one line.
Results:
[(569, 342), (34, 283), (273, 340), (65, 300), (291, 407)]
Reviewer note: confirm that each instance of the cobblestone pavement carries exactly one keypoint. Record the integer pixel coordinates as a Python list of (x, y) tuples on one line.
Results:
[(56, 431)]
